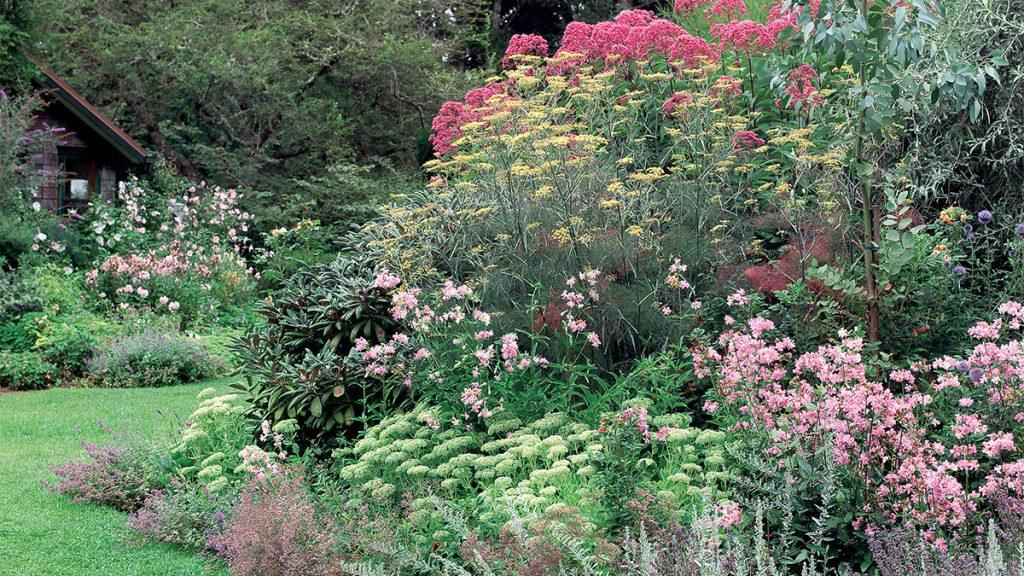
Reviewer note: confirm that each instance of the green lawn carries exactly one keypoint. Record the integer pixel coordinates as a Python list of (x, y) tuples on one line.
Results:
[(43, 533)]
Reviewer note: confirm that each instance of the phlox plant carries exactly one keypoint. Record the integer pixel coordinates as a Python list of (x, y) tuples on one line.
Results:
[(451, 355), (449, 350), (926, 446)]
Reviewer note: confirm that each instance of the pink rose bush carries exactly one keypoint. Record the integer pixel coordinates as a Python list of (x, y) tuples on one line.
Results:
[(931, 446)]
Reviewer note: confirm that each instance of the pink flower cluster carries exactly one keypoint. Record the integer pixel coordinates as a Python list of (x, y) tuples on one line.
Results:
[(727, 8), (674, 102), (424, 354), (746, 141), (802, 93), (446, 127), (745, 36), (688, 6), (524, 45), (930, 446), (576, 298), (633, 35), (191, 238)]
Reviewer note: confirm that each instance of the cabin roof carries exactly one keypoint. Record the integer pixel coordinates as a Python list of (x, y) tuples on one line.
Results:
[(59, 91)]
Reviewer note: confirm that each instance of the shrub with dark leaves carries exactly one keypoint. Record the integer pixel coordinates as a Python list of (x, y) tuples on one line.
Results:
[(294, 362)]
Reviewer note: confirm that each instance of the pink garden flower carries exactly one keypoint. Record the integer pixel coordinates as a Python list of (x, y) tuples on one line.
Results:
[(524, 45)]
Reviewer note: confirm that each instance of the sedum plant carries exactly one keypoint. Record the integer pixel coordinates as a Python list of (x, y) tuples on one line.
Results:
[(549, 465)]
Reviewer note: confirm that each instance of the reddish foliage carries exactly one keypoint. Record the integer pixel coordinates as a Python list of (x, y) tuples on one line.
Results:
[(275, 530), (789, 267)]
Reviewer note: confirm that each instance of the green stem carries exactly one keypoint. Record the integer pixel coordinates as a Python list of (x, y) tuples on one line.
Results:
[(866, 205)]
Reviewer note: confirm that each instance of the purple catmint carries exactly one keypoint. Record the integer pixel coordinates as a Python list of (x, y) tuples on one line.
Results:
[(118, 474), (898, 552)]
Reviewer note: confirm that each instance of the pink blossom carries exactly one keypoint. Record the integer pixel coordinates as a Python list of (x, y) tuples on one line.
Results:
[(524, 45), (386, 280)]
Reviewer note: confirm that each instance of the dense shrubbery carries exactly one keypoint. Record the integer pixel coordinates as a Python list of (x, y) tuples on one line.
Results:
[(677, 301), (80, 294), (295, 359)]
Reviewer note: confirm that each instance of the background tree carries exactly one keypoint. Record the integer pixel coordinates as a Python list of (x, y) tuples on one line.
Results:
[(15, 28), (303, 101)]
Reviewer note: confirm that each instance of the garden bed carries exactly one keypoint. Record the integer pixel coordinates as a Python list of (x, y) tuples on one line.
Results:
[(46, 535)]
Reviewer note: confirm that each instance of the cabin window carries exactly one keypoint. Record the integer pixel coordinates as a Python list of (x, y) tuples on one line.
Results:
[(81, 180)]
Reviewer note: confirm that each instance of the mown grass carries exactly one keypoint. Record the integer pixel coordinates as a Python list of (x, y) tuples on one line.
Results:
[(44, 534)]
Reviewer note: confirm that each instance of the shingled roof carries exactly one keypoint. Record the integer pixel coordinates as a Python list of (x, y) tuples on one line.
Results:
[(61, 92)]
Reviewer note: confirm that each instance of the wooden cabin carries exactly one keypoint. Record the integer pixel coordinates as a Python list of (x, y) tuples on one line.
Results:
[(90, 156)]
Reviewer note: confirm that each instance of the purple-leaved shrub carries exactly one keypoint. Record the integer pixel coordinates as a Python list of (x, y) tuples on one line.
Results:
[(276, 529), (120, 473)]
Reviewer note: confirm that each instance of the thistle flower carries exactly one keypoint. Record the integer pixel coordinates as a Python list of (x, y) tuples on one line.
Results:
[(984, 216)]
